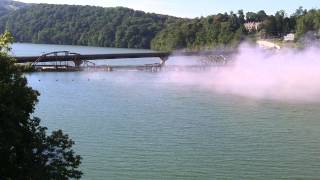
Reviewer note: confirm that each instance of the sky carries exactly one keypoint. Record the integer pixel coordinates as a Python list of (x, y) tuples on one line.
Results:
[(194, 8)]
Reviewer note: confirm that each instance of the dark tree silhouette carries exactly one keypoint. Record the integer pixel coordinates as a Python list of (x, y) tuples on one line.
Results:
[(26, 151)]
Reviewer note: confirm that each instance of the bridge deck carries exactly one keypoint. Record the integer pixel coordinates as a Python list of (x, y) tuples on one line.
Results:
[(71, 57)]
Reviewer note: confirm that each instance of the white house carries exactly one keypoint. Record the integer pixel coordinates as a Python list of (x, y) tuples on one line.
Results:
[(289, 37)]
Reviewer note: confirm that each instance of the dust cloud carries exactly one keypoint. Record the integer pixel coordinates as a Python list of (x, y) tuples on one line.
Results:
[(285, 75)]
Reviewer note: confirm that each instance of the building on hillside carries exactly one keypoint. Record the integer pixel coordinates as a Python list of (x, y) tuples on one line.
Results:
[(252, 26), (289, 37)]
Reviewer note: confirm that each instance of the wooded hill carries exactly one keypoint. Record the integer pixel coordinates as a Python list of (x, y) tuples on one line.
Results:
[(127, 28)]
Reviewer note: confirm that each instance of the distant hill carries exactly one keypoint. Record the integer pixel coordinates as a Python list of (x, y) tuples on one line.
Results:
[(84, 25), (126, 28), (7, 6)]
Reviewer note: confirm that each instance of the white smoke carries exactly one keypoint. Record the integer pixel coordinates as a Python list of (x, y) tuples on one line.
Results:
[(287, 74)]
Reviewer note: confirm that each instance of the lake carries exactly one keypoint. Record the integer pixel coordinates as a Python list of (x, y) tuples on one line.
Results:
[(135, 125)]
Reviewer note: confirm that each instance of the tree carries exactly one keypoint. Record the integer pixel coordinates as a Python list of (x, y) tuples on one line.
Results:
[(221, 30), (5, 40), (127, 28), (241, 17), (269, 26), (26, 151), (262, 15), (84, 25), (300, 12), (252, 17), (309, 23)]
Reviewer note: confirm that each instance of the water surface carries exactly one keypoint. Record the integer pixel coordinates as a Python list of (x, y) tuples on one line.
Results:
[(136, 125)]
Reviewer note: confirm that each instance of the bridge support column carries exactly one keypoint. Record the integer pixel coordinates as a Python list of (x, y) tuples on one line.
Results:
[(163, 60), (77, 63)]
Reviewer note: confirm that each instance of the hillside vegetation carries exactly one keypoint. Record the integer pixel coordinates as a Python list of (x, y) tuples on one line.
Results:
[(127, 28), (7, 6), (84, 25)]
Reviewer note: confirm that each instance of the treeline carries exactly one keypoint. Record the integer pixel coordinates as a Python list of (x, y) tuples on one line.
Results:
[(84, 25), (127, 28), (212, 31), (308, 24), (229, 29)]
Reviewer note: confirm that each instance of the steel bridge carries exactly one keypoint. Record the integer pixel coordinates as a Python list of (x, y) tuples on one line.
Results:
[(62, 58)]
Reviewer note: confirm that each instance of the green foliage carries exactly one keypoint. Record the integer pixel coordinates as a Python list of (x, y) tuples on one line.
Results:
[(308, 22), (214, 31), (5, 40), (256, 17), (126, 28), (228, 30), (7, 6), (26, 67), (84, 25), (278, 25), (27, 152)]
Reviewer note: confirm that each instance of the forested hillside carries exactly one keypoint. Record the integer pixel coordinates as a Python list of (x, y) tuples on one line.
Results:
[(7, 6), (127, 28), (84, 25), (212, 31), (223, 30)]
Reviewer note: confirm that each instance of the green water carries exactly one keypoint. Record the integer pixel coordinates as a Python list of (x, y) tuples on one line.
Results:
[(135, 125)]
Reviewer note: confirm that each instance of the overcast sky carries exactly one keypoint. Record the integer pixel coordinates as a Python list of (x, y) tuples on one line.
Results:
[(194, 8)]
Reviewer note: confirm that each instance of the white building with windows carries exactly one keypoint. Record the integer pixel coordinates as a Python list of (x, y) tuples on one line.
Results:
[(289, 37)]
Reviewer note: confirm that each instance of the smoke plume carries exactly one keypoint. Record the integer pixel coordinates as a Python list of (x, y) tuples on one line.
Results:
[(285, 75)]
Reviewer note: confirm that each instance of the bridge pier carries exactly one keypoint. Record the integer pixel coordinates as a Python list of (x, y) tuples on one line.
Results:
[(163, 60), (77, 63), (109, 68)]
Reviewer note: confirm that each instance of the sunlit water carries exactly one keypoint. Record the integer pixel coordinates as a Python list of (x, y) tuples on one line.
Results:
[(136, 125)]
